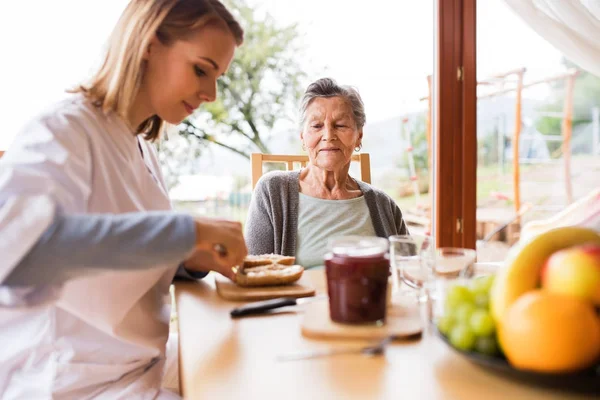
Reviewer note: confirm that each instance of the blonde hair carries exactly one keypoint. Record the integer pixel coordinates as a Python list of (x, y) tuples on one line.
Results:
[(117, 82)]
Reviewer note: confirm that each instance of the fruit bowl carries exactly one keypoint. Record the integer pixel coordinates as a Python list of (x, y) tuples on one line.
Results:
[(538, 306), (461, 318), (585, 381)]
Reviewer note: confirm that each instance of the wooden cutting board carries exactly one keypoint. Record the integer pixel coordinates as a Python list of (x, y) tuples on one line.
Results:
[(230, 291), (401, 321)]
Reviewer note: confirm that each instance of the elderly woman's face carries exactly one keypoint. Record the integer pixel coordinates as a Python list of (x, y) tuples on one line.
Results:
[(330, 133)]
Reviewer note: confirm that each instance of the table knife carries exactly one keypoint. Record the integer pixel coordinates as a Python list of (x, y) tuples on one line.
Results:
[(260, 307)]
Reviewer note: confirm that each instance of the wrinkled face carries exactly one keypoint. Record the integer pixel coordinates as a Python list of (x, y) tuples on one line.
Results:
[(330, 133), (182, 75)]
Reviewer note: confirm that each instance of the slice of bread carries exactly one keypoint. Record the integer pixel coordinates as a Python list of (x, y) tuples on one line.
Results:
[(267, 259), (269, 275)]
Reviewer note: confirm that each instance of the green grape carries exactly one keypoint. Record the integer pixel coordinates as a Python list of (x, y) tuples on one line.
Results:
[(482, 323), (487, 345), (457, 295), (482, 284), (463, 313), (446, 323), (462, 338), (482, 300)]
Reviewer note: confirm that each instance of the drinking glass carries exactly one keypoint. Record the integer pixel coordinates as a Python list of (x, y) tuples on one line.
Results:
[(451, 266), (453, 263), (411, 258)]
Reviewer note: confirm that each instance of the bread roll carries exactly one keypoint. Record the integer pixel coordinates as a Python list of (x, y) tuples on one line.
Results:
[(268, 270), (269, 275), (266, 259)]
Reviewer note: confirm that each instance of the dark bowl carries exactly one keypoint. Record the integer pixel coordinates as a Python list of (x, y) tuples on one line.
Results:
[(585, 381)]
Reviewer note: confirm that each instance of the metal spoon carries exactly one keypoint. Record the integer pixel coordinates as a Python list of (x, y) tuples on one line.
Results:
[(372, 350)]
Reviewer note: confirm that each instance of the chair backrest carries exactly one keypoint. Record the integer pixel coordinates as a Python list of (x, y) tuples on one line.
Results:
[(290, 160)]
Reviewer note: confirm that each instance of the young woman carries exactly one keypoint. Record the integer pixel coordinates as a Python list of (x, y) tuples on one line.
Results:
[(89, 245)]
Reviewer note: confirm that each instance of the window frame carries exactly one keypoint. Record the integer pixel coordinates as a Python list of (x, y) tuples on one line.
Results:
[(455, 124)]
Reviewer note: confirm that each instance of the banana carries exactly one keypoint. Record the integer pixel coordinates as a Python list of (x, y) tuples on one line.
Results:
[(521, 270)]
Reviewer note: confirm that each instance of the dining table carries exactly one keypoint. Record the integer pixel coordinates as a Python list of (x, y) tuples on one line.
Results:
[(221, 357)]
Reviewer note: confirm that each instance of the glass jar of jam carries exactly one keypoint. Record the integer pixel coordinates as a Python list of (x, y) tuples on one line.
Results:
[(357, 271)]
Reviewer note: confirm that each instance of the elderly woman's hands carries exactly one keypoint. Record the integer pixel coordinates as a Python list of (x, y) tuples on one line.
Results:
[(220, 246)]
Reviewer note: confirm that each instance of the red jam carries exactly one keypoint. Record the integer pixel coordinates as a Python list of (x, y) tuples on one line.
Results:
[(357, 284)]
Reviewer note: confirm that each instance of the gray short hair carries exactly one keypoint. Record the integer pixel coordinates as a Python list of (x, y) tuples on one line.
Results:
[(327, 87)]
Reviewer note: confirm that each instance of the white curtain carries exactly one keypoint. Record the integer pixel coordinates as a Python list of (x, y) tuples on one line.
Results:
[(572, 26)]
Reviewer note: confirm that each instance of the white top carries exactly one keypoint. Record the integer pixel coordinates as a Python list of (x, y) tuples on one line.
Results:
[(105, 336), (319, 220)]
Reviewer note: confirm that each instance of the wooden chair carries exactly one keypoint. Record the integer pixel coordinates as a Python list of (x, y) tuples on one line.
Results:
[(289, 160)]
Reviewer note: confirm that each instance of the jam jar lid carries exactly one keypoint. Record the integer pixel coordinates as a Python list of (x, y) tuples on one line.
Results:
[(358, 246)]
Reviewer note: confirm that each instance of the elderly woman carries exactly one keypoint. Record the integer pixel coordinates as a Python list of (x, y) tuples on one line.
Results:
[(294, 213)]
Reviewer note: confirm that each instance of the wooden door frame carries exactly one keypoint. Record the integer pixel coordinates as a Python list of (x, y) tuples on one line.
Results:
[(455, 121)]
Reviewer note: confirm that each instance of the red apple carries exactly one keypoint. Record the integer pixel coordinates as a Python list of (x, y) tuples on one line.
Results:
[(574, 271)]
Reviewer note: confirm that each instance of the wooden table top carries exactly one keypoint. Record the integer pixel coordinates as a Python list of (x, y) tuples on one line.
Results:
[(224, 358)]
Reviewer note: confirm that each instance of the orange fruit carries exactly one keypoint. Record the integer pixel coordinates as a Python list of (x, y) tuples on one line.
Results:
[(550, 332)]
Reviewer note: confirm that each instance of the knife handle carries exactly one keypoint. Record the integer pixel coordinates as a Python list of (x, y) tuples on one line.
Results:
[(260, 307)]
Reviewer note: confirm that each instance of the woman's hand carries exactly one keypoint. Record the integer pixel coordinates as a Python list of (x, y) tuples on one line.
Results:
[(220, 246)]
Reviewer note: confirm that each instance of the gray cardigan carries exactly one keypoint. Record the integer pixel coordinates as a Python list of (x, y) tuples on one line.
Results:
[(272, 223)]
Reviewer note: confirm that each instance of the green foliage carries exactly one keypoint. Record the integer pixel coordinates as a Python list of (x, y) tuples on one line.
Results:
[(418, 138), (177, 156), (487, 148), (261, 87), (586, 94)]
